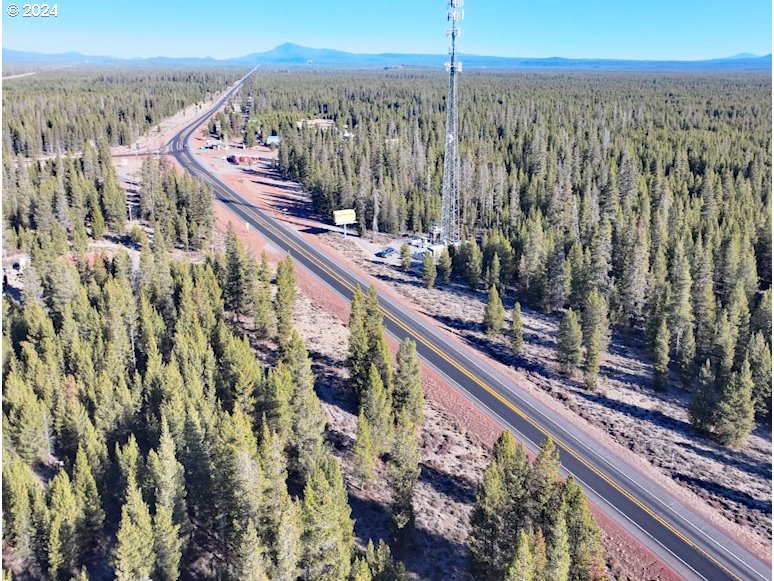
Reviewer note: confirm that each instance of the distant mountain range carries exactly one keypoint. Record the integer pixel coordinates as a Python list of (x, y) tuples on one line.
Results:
[(292, 55)]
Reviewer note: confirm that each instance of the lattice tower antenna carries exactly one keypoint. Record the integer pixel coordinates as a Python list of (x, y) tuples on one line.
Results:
[(450, 196)]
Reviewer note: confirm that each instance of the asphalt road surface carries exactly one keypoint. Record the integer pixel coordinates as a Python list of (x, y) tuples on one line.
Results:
[(691, 546)]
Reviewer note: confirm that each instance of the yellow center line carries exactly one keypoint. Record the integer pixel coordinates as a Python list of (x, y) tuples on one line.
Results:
[(291, 242)]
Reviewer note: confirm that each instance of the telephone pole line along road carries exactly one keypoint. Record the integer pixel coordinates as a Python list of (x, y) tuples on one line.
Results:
[(687, 543)]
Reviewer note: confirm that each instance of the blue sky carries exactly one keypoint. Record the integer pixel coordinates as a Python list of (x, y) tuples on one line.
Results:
[(653, 29)]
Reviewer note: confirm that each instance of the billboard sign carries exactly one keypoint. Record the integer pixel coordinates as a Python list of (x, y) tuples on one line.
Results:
[(344, 217)]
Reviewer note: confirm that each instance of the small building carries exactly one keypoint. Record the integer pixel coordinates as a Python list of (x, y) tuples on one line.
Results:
[(273, 140), (243, 159), (436, 250), (318, 123)]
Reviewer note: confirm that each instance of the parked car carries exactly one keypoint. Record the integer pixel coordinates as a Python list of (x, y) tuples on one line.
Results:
[(389, 251)]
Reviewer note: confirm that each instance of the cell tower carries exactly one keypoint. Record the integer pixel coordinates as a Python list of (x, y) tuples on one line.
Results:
[(450, 197)]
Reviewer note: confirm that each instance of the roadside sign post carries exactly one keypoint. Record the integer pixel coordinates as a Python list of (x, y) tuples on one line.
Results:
[(343, 218)]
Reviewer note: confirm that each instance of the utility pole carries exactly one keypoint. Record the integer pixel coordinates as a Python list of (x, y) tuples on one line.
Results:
[(450, 197)]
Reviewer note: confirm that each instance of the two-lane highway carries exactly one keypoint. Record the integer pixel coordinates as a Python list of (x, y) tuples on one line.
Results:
[(687, 543)]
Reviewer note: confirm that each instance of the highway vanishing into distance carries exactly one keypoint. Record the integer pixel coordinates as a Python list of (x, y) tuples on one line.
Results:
[(691, 546)]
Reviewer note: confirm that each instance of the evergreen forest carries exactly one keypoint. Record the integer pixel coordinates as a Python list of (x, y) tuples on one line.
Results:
[(647, 195), (58, 112), (160, 418)]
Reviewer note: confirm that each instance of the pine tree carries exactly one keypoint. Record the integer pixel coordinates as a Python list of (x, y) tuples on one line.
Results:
[(240, 374), (65, 515), (287, 543), (577, 273), (428, 269), (586, 558), (407, 392), (376, 406), (238, 480), (517, 332), (55, 557), (541, 482), (444, 266), (29, 424), (494, 313), (249, 560), (21, 492), (558, 278), (381, 564), (358, 342), (735, 411), (364, 453), (558, 550), (167, 476), (681, 314), (704, 302), (285, 298), (264, 314), (591, 372), (759, 355), (271, 457), (634, 267), (739, 317), (724, 348), (595, 318), (472, 259), (596, 335), (405, 257), (378, 350), (494, 274), (761, 319), (488, 540), (135, 556), (168, 545), (702, 406), (522, 567), (601, 257), (568, 345), (661, 357), (539, 556), (274, 399), (403, 474), (488, 524), (502, 508), (97, 224), (90, 506), (129, 464), (308, 425), (686, 356), (239, 284), (327, 527), (360, 570), (512, 459)]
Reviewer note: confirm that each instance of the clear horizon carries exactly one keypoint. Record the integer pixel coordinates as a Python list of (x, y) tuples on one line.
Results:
[(597, 29), (226, 58)]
